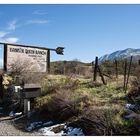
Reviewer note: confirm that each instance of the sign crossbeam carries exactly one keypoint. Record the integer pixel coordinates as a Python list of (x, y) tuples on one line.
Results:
[(60, 49)]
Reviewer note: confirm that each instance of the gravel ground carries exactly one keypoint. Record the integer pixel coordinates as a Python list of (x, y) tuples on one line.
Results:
[(7, 129)]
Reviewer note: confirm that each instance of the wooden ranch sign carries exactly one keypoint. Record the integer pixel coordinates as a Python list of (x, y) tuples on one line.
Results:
[(35, 57)]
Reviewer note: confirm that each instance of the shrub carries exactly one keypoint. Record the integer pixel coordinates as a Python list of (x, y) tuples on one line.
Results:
[(7, 80), (61, 105), (50, 85), (98, 122), (60, 99)]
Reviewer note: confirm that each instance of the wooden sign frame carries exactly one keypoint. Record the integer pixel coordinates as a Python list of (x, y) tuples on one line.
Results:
[(58, 50)]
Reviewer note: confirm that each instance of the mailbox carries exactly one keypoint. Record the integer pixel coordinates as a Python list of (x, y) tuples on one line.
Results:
[(31, 91)]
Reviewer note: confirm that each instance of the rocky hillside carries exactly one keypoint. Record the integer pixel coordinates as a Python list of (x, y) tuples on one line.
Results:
[(121, 54)]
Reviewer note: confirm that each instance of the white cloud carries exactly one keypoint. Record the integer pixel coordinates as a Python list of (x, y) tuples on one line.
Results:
[(11, 40), (12, 25), (37, 21), (40, 12), (3, 34)]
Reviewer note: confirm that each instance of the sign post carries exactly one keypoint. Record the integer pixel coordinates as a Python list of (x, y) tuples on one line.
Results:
[(1, 86)]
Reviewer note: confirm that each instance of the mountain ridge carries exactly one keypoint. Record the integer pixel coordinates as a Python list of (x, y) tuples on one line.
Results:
[(121, 54)]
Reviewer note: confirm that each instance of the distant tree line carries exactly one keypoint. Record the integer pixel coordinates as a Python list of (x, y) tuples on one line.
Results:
[(71, 67), (86, 69)]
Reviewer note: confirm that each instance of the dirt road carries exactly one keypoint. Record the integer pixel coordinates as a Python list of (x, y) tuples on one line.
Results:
[(7, 129)]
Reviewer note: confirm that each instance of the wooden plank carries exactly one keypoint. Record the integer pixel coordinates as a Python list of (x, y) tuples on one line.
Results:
[(105, 74), (26, 86), (101, 75), (29, 46)]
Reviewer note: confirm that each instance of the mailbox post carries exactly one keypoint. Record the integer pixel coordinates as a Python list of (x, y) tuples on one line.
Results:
[(27, 106), (30, 91)]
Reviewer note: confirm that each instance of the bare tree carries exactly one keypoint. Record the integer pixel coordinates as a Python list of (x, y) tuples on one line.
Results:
[(26, 70)]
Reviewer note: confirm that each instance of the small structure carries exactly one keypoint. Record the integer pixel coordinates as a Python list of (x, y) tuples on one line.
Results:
[(28, 92), (31, 91)]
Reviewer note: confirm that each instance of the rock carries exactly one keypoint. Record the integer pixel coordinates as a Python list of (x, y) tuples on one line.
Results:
[(125, 98), (12, 114), (36, 125), (48, 131), (74, 131), (130, 106), (132, 116), (61, 130)]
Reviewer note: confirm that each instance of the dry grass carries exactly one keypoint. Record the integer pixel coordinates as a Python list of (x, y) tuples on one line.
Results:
[(98, 109), (94, 107)]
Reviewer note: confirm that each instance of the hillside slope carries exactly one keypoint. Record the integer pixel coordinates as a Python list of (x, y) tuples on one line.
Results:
[(122, 54)]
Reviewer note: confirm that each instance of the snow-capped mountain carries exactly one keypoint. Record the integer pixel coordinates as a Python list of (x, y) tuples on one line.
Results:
[(121, 54)]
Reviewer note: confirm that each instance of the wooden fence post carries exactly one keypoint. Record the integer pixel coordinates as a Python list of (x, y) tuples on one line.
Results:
[(48, 62), (95, 69), (116, 68), (92, 64), (129, 69), (139, 62), (64, 69), (125, 69)]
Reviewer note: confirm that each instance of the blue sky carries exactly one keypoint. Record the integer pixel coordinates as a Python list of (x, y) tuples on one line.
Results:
[(85, 31)]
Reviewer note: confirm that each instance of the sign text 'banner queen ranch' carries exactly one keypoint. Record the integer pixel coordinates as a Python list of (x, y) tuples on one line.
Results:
[(35, 57)]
